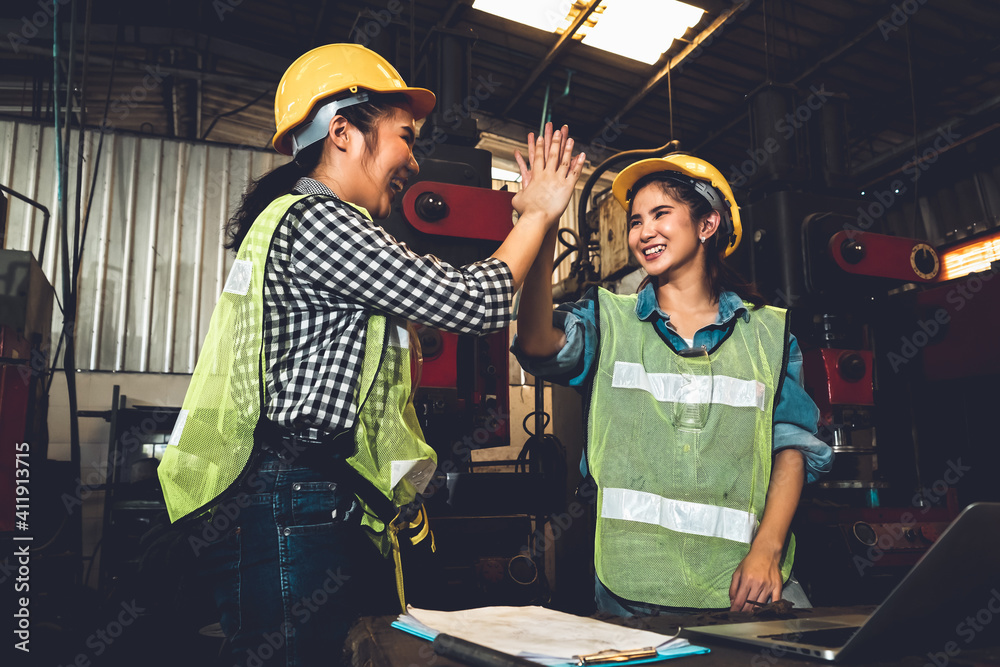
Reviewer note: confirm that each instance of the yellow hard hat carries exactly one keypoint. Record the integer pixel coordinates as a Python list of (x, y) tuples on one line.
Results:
[(706, 180), (331, 70)]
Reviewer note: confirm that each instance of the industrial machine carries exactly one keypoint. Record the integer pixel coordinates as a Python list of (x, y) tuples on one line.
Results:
[(891, 343), (875, 334), (486, 524)]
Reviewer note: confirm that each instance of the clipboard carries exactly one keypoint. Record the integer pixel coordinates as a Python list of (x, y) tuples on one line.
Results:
[(469, 631)]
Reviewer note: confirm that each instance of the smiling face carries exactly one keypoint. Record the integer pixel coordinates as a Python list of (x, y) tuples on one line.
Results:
[(662, 234), (385, 164)]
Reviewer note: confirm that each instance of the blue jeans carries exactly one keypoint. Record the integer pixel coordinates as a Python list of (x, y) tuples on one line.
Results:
[(612, 604), (295, 569)]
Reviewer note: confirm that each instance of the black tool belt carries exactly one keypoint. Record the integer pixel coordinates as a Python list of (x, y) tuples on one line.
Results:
[(290, 445), (327, 453)]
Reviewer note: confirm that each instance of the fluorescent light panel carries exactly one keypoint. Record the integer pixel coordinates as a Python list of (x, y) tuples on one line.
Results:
[(545, 15), (638, 29), (641, 30)]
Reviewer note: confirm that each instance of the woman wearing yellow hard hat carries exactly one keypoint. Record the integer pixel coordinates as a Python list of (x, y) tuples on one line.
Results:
[(699, 432), (298, 448)]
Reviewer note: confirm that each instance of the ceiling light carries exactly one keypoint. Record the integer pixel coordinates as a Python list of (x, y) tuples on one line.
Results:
[(545, 15), (641, 30), (636, 29)]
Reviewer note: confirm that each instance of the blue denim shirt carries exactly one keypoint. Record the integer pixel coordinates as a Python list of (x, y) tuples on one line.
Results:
[(795, 416)]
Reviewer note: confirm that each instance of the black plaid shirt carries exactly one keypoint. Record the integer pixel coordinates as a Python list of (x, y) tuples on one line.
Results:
[(329, 268)]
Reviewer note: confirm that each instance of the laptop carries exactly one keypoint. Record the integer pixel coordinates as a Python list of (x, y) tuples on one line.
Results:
[(955, 580)]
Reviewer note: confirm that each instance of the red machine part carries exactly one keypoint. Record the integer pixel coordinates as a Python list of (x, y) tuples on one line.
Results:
[(439, 350), (14, 398), (953, 334), (459, 211), (882, 256), (846, 376), (488, 357)]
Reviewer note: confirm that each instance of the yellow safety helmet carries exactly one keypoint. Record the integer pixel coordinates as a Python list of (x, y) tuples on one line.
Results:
[(706, 180), (331, 70)]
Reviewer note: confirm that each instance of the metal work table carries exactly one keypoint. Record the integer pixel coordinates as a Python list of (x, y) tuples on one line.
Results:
[(372, 642)]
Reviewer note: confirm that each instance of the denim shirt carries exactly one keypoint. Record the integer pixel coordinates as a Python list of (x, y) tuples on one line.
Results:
[(795, 416)]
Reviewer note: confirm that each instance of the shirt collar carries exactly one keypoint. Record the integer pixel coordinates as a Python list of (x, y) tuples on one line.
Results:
[(730, 305), (310, 186)]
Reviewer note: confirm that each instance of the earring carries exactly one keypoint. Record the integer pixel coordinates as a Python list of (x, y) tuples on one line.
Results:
[(703, 240)]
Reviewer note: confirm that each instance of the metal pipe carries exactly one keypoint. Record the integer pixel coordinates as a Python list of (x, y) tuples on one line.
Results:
[(863, 170), (581, 211), (829, 57), (77, 249), (248, 83), (69, 305), (64, 172)]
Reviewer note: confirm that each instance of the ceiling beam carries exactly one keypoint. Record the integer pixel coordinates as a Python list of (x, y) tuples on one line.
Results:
[(869, 27), (564, 40), (446, 20), (258, 85), (701, 38)]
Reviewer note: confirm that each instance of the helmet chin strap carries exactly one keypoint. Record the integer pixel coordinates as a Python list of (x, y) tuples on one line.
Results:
[(316, 129)]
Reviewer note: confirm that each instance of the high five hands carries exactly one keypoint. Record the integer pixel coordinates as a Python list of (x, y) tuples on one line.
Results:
[(549, 178)]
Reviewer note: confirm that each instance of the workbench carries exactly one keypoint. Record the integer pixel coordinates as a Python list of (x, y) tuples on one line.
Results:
[(372, 642)]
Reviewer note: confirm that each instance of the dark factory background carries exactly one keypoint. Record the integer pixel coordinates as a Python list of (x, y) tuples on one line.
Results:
[(861, 139)]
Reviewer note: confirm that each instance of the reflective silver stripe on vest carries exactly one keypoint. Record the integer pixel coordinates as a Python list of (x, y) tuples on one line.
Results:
[(678, 515), (676, 388)]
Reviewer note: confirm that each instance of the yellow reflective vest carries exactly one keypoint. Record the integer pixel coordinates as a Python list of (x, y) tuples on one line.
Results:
[(681, 455), (212, 444)]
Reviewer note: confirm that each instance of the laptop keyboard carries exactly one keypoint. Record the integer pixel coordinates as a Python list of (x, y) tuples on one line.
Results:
[(827, 637)]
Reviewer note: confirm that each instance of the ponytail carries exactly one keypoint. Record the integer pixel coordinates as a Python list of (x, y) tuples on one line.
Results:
[(264, 190), (280, 181)]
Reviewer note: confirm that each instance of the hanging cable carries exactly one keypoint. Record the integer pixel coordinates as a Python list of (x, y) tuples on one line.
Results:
[(80, 140), (575, 245), (69, 295), (78, 257), (913, 112), (234, 111), (767, 52), (670, 100)]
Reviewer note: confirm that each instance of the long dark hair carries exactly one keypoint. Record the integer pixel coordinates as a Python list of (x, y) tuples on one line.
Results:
[(279, 181), (720, 276)]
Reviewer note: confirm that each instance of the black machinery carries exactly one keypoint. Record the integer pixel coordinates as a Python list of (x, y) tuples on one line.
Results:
[(486, 524)]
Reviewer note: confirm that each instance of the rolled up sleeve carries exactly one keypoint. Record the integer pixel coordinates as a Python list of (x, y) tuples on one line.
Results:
[(573, 364), (796, 418)]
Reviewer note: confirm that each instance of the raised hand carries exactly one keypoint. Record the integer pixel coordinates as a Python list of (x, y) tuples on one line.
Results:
[(549, 178)]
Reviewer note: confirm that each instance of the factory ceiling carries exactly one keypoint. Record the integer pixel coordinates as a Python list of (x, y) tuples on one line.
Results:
[(207, 70)]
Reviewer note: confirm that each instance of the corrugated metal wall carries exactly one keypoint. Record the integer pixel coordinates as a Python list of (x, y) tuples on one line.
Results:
[(153, 263)]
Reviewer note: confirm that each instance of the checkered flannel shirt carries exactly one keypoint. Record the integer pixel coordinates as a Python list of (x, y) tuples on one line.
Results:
[(328, 269)]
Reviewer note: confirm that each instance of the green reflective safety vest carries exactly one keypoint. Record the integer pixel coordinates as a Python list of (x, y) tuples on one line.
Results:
[(212, 443), (681, 455)]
